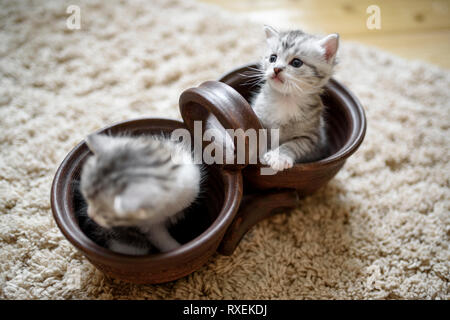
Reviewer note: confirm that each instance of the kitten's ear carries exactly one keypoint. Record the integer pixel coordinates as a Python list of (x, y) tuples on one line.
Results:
[(97, 143), (271, 33), (330, 43)]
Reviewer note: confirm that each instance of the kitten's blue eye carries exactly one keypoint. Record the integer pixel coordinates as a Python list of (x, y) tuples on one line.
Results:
[(296, 63), (273, 58)]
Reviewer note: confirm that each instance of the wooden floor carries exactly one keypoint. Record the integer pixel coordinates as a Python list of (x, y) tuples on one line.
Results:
[(414, 29)]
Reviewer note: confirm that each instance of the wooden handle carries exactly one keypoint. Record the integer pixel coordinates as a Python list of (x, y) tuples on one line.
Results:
[(253, 209), (226, 104)]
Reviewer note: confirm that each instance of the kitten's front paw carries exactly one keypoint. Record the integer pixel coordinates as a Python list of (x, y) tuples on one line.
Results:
[(278, 161), (169, 246)]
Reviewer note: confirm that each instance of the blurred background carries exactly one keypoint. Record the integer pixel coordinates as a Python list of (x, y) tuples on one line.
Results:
[(413, 29)]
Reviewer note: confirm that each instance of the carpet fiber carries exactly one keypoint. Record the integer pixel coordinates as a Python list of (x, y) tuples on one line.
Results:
[(379, 229)]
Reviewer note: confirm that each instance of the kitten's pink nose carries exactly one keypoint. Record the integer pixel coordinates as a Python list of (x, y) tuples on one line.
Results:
[(277, 70)]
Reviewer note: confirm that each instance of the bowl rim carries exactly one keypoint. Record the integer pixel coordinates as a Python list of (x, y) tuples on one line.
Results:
[(354, 109), (69, 227)]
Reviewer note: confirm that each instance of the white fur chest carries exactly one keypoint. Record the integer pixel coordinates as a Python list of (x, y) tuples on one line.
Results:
[(275, 111)]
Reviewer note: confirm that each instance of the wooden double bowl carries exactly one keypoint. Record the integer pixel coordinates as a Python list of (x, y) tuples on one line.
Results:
[(236, 197)]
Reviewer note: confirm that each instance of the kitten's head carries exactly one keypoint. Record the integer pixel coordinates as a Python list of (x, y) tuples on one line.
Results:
[(131, 181), (297, 62)]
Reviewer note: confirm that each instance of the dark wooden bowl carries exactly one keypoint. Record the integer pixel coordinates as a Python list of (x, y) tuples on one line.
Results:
[(228, 101), (346, 130), (216, 223), (205, 229)]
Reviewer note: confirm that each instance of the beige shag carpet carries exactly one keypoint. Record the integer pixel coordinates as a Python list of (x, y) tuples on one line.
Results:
[(379, 230)]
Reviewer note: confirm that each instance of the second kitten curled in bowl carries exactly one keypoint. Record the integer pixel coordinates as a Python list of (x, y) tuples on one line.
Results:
[(135, 188), (294, 70)]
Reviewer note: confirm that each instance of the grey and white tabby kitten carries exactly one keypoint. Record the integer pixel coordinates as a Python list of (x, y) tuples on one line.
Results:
[(135, 187), (295, 68)]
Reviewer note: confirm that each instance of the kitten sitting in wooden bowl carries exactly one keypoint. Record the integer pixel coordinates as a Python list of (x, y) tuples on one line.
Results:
[(122, 214), (321, 123)]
